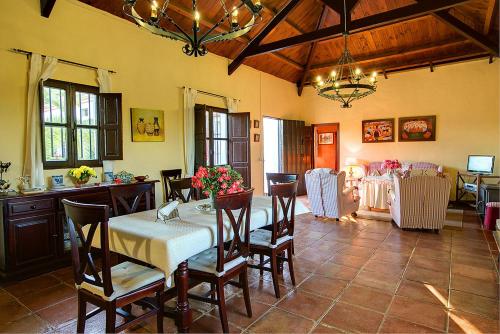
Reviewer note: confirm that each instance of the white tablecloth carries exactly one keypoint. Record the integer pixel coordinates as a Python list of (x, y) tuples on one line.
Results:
[(374, 191), (166, 245)]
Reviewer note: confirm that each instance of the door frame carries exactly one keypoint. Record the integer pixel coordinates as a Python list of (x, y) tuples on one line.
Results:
[(337, 153)]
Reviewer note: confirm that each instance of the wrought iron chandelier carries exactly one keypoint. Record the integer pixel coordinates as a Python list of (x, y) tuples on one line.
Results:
[(346, 82), (195, 39)]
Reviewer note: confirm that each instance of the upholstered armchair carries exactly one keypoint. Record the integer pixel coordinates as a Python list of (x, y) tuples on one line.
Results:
[(420, 201), (327, 194)]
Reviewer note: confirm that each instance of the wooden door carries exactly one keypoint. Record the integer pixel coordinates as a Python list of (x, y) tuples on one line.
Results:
[(32, 240), (239, 145)]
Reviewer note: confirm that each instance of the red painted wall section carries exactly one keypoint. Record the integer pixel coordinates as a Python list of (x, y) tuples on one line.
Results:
[(325, 155)]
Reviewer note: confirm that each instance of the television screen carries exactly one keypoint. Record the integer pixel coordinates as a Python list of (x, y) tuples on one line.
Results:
[(481, 164)]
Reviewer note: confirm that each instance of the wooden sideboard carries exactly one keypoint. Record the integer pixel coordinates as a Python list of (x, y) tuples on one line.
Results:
[(33, 234)]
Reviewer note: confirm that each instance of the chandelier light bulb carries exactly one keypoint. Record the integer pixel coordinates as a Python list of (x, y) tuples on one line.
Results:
[(318, 78), (357, 71), (257, 3), (234, 16), (374, 74), (372, 79), (321, 83), (333, 74), (154, 10), (336, 84)]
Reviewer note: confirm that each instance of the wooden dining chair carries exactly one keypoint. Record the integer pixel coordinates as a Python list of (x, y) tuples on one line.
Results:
[(220, 264), (275, 178), (177, 186), (114, 288), (167, 176), (127, 200), (273, 243)]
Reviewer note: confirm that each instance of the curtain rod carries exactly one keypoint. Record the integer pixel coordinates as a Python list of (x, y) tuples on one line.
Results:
[(209, 94), (64, 61)]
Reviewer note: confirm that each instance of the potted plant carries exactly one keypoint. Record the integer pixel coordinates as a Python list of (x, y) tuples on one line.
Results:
[(216, 181), (81, 175)]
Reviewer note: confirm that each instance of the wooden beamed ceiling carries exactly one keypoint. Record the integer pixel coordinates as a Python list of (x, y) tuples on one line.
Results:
[(299, 39)]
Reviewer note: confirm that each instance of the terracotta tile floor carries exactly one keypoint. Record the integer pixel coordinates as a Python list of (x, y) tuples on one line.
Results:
[(352, 276)]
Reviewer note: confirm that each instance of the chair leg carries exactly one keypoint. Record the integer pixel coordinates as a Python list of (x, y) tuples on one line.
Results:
[(289, 252), (110, 317), (159, 315), (246, 291), (274, 269), (261, 271), (221, 302), (212, 291), (293, 248), (82, 314)]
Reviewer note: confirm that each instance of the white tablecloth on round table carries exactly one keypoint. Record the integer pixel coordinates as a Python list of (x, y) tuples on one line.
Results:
[(374, 191)]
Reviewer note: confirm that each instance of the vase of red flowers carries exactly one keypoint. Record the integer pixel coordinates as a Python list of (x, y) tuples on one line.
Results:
[(391, 166), (216, 181)]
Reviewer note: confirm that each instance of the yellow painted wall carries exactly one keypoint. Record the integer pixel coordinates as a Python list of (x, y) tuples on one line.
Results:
[(464, 97), (150, 71)]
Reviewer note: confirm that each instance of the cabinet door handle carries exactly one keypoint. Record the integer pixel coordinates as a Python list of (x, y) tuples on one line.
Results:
[(54, 235), (33, 207)]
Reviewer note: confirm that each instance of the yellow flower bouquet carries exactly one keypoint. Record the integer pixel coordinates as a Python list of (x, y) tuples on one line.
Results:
[(82, 174)]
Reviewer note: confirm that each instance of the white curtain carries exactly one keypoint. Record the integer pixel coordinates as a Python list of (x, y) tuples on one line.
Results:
[(231, 104), (104, 80), (33, 164), (189, 145)]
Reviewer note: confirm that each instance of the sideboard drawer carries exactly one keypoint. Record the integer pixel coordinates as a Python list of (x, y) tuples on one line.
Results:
[(31, 206)]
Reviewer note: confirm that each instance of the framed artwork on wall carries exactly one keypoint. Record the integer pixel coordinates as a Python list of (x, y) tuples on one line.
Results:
[(256, 123), (325, 138), (418, 128), (256, 137), (377, 130), (147, 125)]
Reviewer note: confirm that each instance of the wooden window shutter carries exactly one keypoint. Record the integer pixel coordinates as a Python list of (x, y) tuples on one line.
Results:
[(200, 136), (239, 145), (110, 112)]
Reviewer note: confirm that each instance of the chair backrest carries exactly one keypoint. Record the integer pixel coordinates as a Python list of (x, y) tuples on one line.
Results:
[(375, 166), (284, 196), (126, 200), (168, 175), (178, 185), (239, 245), (78, 217), (275, 178)]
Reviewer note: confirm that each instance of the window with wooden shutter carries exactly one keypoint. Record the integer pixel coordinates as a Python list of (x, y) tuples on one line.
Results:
[(80, 126)]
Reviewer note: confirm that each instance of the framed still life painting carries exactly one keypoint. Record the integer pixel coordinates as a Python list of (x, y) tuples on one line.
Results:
[(378, 130), (325, 138), (147, 125), (418, 128)]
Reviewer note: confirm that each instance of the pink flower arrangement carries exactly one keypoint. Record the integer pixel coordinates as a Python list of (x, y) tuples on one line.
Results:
[(391, 164), (217, 181)]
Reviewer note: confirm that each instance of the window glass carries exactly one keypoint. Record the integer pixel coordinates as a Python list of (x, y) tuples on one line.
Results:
[(86, 108), (87, 144), (56, 143), (220, 152), (220, 125)]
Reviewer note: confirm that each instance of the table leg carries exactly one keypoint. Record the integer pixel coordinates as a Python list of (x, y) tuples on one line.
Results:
[(184, 316)]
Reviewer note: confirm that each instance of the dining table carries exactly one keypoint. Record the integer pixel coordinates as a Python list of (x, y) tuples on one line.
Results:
[(169, 244)]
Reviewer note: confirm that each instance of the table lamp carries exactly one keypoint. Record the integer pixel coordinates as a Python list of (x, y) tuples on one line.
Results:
[(354, 168)]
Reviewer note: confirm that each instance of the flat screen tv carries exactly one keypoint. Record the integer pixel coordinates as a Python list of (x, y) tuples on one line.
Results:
[(481, 164)]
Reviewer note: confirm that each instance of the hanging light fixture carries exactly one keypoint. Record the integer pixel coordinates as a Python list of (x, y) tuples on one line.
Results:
[(346, 82), (195, 39)]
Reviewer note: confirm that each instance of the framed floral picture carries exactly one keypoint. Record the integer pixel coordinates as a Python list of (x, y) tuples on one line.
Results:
[(147, 125), (418, 128), (325, 138), (377, 130)]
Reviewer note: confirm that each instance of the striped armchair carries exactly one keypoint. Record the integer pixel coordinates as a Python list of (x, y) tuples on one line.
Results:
[(420, 201), (327, 195)]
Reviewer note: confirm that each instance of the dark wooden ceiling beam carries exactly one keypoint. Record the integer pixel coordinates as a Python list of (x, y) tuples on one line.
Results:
[(424, 7), (490, 14), (312, 50), (46, 7), (261, 35), (290, 23), (481, 40)]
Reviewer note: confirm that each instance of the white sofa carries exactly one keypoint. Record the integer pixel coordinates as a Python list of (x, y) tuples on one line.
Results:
[(420, 201), (327, 195)]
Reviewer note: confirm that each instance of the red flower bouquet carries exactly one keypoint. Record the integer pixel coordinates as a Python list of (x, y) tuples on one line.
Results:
[(214, 181), (391, 165)]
